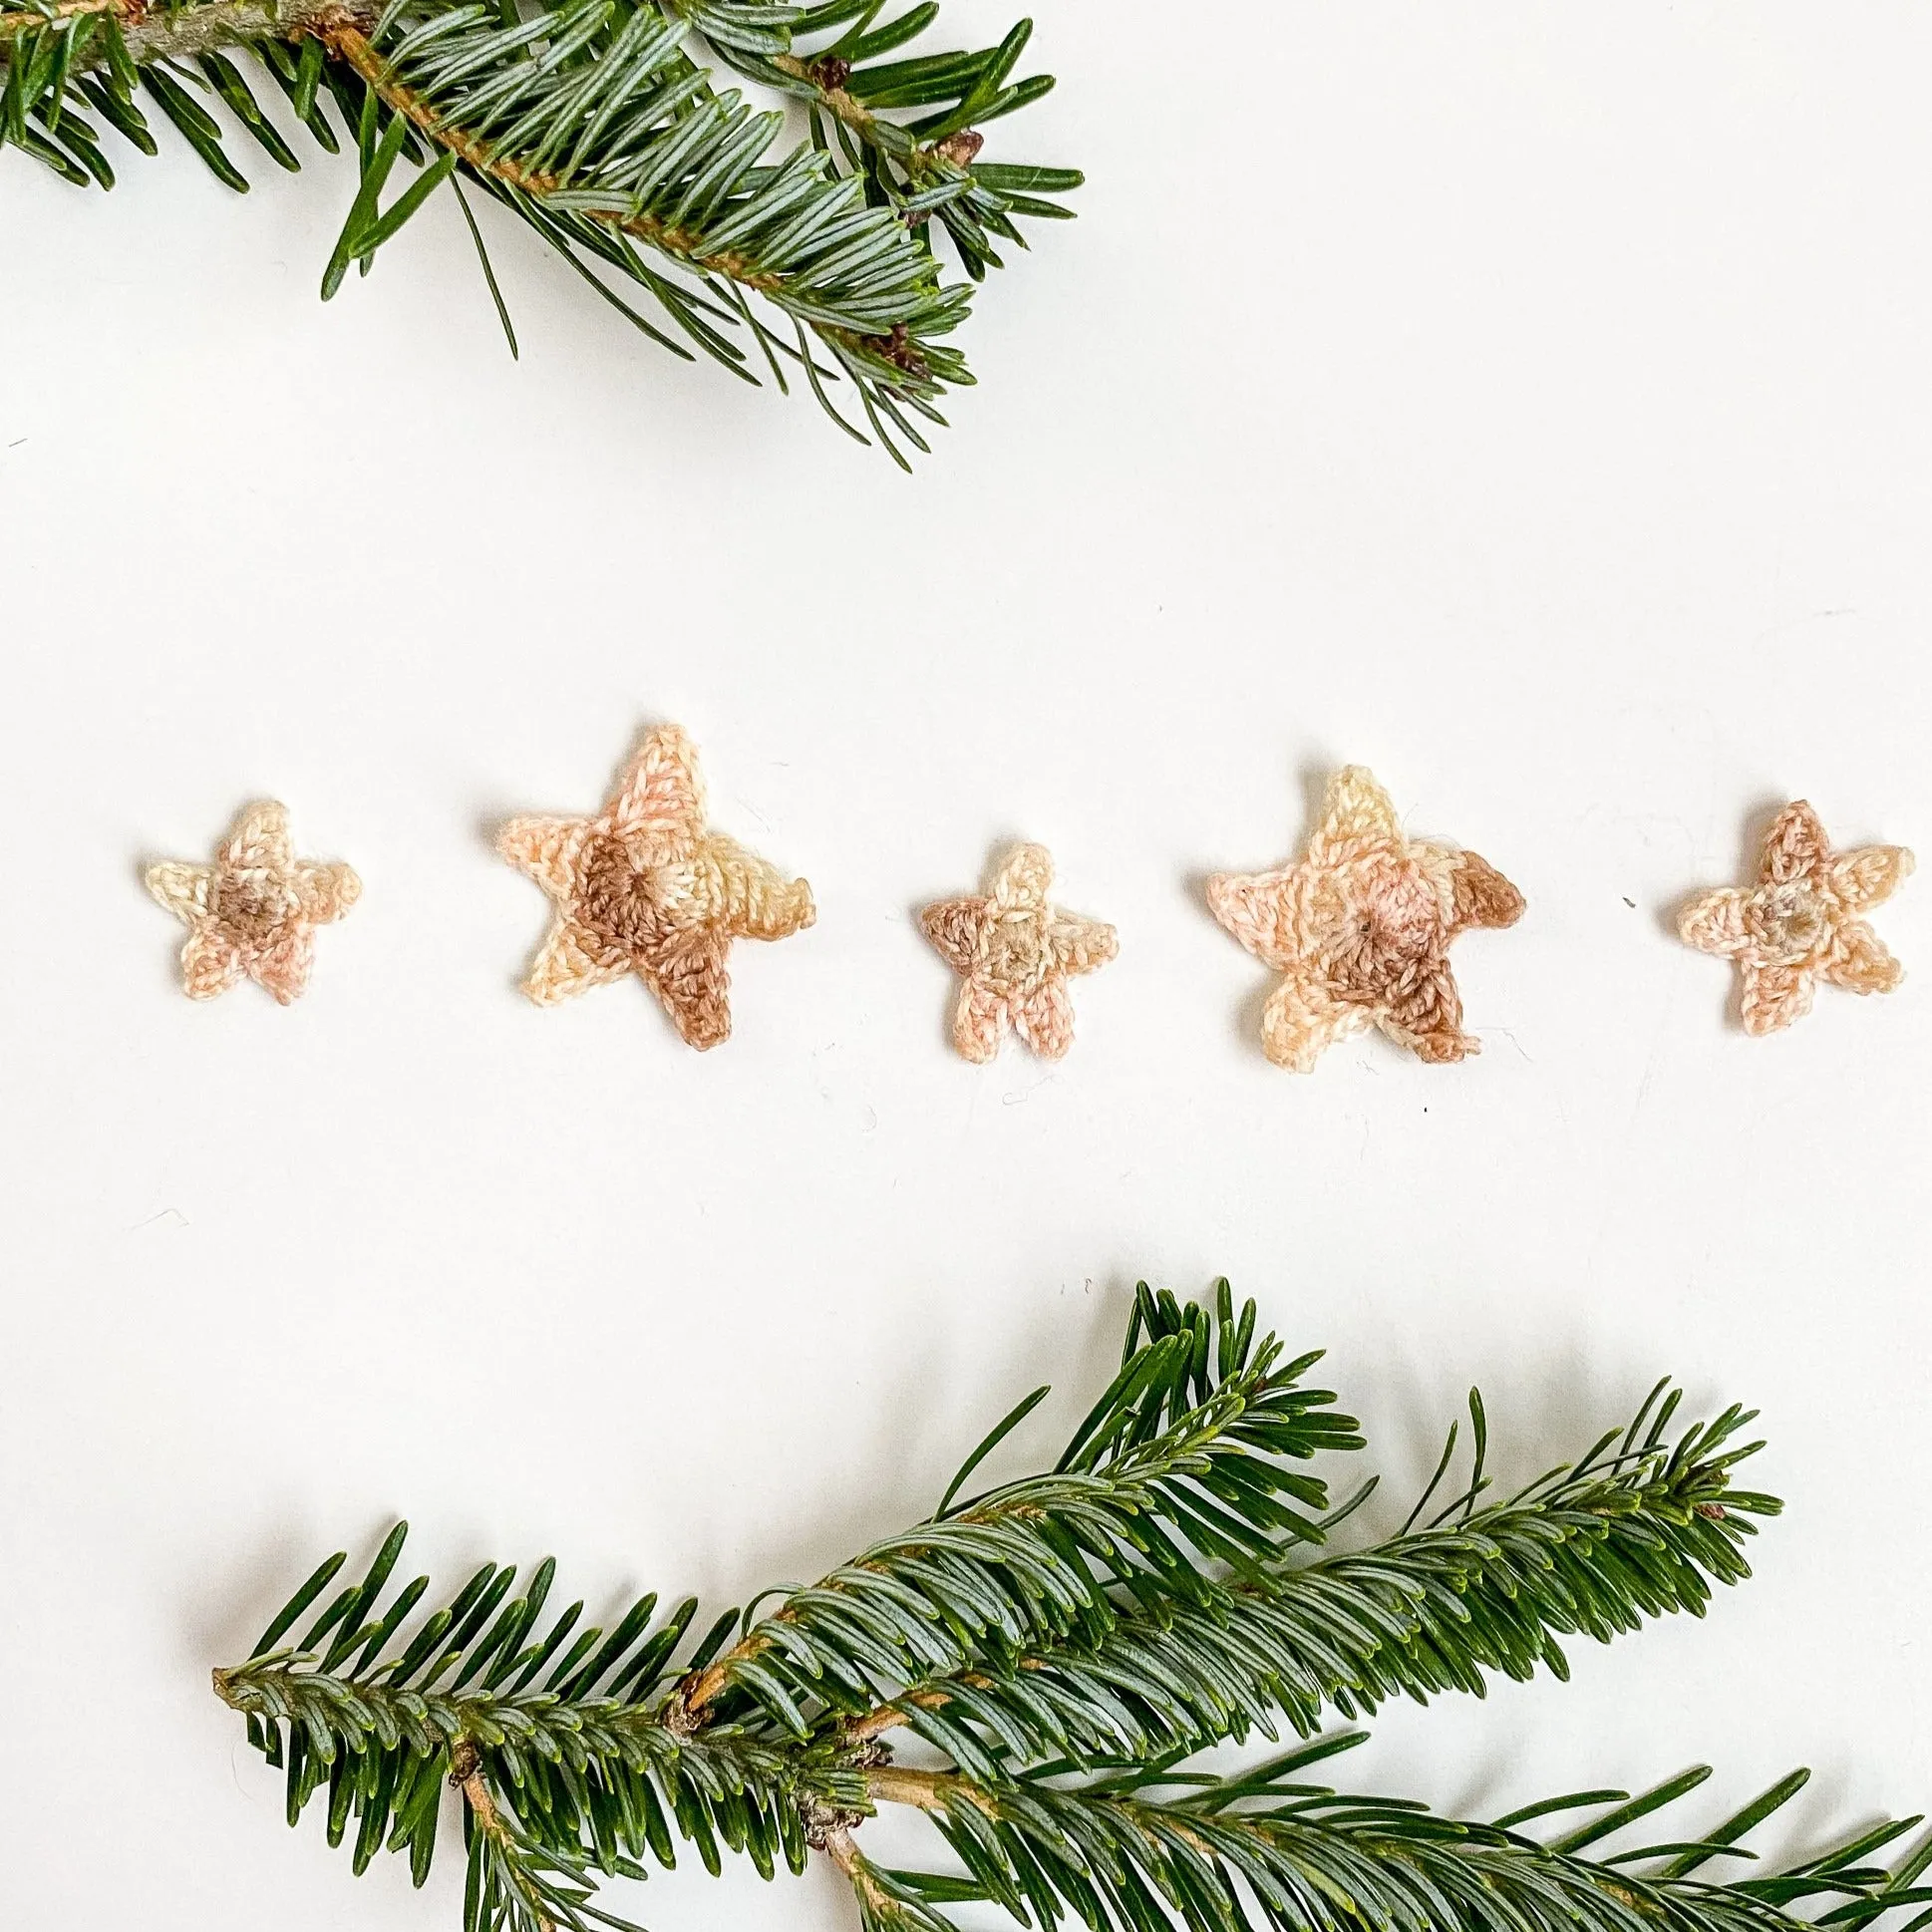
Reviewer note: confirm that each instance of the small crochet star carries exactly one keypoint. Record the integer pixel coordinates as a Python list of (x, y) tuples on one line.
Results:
[(1361, 929), (646, 888), (254, 911), (1800, 922), (1016, 953)]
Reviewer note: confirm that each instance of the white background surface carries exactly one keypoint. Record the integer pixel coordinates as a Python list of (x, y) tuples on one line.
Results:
[(1530, 402)]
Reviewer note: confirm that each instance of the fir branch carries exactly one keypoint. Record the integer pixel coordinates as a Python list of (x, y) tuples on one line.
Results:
[(593, 123), (1304, 1858), (182, 33), (1591, 1549), (1066, 1644), (554, 1736), (1180, 1465)]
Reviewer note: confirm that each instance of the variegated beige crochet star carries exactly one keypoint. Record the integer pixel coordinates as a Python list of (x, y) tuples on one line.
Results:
[(254, 911), (1016, 954), (646, 888), (1800, 922), (1360, 929)]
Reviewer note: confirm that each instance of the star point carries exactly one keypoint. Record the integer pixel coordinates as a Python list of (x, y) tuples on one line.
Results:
[(645, 886), (253, 913), (1360, 928), (1801, 922), (1015, 952)]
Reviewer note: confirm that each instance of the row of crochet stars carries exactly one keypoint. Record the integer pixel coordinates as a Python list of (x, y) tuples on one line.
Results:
[(1359, 927)]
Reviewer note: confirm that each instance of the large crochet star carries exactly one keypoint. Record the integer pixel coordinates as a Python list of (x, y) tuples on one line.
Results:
[(1800, 922), (254, 911), (646, 888), (1016, 953), (1360, 929)]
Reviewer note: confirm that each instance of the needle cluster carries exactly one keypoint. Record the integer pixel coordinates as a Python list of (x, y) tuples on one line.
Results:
[(1036, 1669), (808, 235)]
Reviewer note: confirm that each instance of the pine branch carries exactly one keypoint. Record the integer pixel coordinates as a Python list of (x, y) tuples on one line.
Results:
[(1180, 1465), (1064, 1643), (556, 1740), (1593, 1549), (1231, 1855), (593, 121)]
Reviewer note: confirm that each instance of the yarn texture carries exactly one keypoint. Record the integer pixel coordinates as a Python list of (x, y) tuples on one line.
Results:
[(646, 888), (254, 911), (1360, 930), (1016, 952), (1801, 923)]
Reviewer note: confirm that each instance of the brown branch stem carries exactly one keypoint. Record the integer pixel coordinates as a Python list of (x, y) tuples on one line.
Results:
[(871, 1896), (924, 1791), (888, 1717), (465, 1773), (877, 1723), (843, 1853), (477, 1796), (921, 157), (834, 100), (21, 20), (179, 32)]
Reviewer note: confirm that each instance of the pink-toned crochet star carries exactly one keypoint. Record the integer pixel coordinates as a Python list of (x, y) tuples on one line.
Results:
[(254, 911), (1360, 929), (647, 888), (1802, 923), (1016, 952)]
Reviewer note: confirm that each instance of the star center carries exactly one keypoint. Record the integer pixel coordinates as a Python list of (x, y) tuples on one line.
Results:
[(619, 901), (1377, 931), (254, 905), (1014, 950), (1788, 922)]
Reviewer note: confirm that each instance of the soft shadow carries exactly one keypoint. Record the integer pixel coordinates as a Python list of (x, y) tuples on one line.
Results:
[(906, 1469), (1314, 778), (1244, 1020)]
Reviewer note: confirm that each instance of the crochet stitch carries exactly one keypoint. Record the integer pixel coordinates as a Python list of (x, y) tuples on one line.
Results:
[(646, 888), (254, 911), (1016, 953), (1360, 929), (1800, 922)]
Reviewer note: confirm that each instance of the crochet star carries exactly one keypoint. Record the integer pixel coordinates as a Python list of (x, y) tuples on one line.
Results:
[(1800, 922), (1360, 929), (646, 888), (254, 911), (1016, 953)]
